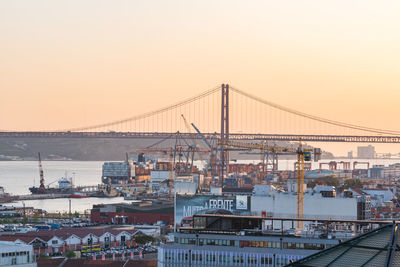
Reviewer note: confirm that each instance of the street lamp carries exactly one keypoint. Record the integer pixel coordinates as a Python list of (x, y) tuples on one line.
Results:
[(23, 204)]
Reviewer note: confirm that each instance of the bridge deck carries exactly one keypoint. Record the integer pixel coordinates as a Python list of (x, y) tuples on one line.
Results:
[(233, 136)]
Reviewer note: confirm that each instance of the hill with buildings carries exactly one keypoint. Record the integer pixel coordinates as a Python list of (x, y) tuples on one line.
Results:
[(87, 149)]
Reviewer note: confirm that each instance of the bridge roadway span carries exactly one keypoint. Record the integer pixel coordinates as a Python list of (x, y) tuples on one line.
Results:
[(232, 136)]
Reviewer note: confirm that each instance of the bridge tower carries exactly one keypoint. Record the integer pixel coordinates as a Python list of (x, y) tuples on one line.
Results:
[(224, 154)]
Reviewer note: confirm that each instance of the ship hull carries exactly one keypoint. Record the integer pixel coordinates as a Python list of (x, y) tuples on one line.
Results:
[(8, 199), (78, 196), (36, 190)]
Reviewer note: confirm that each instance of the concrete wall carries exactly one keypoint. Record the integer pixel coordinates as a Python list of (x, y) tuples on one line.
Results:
[(315, 206), (73, 240)]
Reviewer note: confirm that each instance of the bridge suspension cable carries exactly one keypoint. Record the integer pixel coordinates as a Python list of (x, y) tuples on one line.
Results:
[(148, 114), (249, 114), (316, 118)]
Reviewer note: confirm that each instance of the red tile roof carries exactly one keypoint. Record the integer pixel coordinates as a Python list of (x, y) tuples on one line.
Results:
[(143, 263), (25, 239), (63, 234), (92, 263), (49, 262), (358, 190)]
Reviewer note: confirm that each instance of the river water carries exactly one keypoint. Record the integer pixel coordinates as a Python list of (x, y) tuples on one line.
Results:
[(17, 176)]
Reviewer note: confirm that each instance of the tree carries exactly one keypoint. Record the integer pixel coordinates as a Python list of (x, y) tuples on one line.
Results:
[(35, 217), (352, 183), (327, 180), (143, 239), (70, 254), (44, 256)]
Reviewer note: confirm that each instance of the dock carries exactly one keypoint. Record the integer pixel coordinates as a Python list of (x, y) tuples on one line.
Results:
[(42, 196)]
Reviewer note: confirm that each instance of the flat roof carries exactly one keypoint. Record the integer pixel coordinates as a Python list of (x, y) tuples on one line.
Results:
[(4, 244), (296, 219), (379, 247)]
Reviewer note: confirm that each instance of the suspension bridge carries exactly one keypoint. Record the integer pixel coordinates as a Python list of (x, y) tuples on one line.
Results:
[(230, 113)]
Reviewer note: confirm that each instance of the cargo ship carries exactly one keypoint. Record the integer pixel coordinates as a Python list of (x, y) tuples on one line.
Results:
[(65, 185), (118, 172), (79, 194), (127, 171)]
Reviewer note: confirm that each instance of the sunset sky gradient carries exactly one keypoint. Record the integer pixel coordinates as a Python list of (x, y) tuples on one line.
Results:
[(73, 63)]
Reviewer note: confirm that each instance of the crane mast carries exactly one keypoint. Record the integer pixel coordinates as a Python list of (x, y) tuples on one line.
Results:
[(213, 151), (171, 174), (128, 166), (300, 182), (42, 187)]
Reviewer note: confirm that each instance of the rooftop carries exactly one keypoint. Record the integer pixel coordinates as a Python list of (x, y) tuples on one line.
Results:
[(4, 244), (94, 263), (379, 247)]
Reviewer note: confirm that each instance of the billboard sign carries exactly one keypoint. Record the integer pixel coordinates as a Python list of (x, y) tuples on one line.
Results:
[(187, 206), (242, 203)]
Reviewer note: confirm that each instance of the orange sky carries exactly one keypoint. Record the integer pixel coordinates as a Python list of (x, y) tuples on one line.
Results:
[(71, 63)]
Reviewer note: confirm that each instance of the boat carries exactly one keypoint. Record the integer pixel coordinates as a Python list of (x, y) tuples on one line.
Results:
[(118, 172), (79, 194), (130, 197), (65, 185), (6, 197)]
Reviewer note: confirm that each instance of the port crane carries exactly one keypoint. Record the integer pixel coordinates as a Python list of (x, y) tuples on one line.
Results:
[(303, 154), (42, 187), (213, 152), (181, 157)]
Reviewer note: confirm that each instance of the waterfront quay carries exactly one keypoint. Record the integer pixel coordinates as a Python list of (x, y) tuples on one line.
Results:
[(42, 196)]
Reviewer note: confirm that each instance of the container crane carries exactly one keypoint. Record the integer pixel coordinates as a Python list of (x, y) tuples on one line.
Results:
[(172, 152), (194, 145), (303, 154), (213, 151)]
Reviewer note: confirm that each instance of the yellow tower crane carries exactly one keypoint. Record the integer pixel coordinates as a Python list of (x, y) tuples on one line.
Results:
[(300, 184), (303, 154)]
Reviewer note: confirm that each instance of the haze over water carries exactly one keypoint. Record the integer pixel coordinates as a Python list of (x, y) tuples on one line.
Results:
[(17, 176)]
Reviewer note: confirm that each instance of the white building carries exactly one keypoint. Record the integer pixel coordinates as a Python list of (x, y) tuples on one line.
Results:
[(291, 186), (73, 240), (157, 177), (366, 152), (380, 195), (123, 237), (16, 254), (55, 243), (107, 238), (90, 239), (185, 188), (283, 204)]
